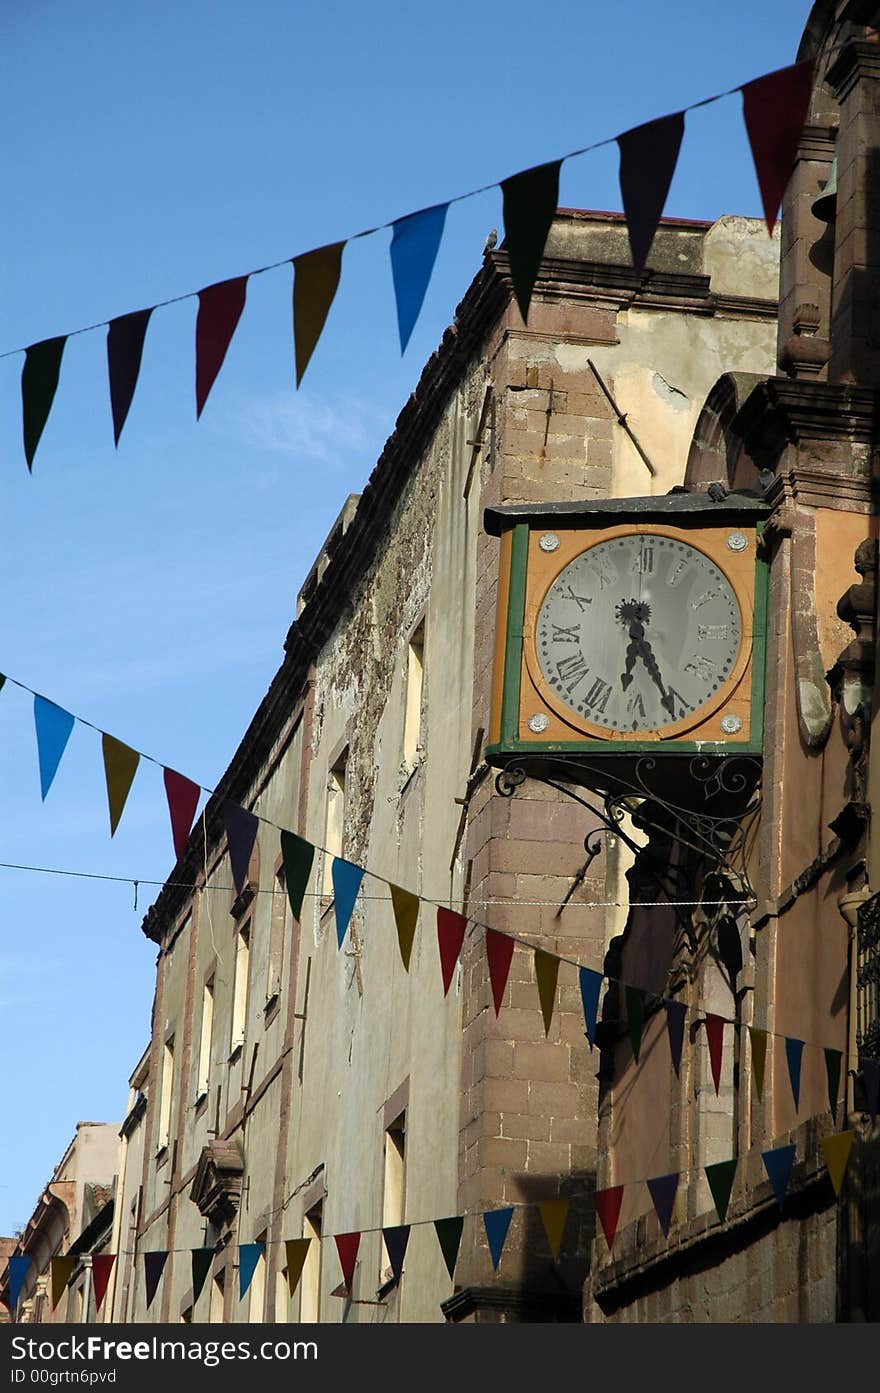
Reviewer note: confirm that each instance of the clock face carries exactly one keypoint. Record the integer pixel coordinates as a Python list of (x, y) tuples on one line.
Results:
[(637, 633)]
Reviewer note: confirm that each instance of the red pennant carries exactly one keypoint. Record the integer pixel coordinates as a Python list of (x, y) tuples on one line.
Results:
[(183, 799), (220, 308), (715, 1037), (347, 1245), (451, 929), (774, 110), (608, 1204), (499, 951), (102, 1266)]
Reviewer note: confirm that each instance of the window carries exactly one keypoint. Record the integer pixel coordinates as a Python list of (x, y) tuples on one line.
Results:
[(310, 1282), (258, 1284), (394, 1182), (215, 1315), (207, 1030), (240, 989), (165, 1094), (277, 933), (334, 819), (412, 714)]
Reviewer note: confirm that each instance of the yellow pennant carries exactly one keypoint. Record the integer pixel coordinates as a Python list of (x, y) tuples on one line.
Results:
[(120, 766), (61, 1270), (406, 913), (315, 281), (836, 1151), (553, 1216), (546, 973), (759, 1056), (297, 1250)]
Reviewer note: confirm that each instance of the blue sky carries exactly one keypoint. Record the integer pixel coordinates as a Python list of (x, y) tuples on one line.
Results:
[(151, 149)]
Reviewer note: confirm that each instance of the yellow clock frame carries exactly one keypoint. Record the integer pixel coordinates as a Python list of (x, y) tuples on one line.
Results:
[(521, 693)]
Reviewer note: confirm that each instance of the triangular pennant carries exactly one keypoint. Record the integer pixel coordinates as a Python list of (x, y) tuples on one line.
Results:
[(39, 383), (591, 986), (778, 1164), (794, 1050), (715, 1038), (347, 1245), (396, 1239), (635, 1018), (296, 1250), (183, 799), (449, 1237), (836, 1151), (201, 1266), (154, 1266), (832, 1069), (315, 282), (720, 1178), (546, 975), (297, 855), (406, 914), (60, 1273), (120, 767), (249, 1255), (102, 1266), (499, 952), (241, 833), (220, 308), (759, 1056), (496, 1223), (2, 680), (18, 1270), (676, 1012), (53, 725), (125, 349), (415, 241), (871, 1074), (663, 1190), (530, 201), (774, 110), (608, 1204), (451, 929), (648, 156), (346, 883), (553, 1216)]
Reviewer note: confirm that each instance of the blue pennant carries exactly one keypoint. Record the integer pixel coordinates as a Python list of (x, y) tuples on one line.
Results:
[(497, 1222), (18, 1268), (591, 985), (793, 1051), (346, 883), (778, 1164), (414, 246), (249, 1255), (54, 725)]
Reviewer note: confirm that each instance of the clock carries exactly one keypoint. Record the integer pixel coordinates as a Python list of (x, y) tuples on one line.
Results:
[(639, 623)]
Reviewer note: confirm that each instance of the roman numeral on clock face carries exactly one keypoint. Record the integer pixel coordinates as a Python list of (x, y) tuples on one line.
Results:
[(572, 670), (580, 600), (563, 635), (597, 697)]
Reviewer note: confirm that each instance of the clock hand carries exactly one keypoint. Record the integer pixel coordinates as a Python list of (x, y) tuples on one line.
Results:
[(636, 638), (667, 701)]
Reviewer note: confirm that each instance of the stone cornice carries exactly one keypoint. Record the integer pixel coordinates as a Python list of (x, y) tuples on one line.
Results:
[(781, 411), (858, 62), (817, 143)]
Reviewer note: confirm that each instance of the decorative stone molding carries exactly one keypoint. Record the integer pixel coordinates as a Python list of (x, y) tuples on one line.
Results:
[(216, 1187)]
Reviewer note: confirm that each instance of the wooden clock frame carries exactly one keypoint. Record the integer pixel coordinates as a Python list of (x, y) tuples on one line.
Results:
[(520, 690)]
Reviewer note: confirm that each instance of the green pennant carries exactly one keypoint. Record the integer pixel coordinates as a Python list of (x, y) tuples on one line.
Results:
[(39, 383), (832, 1069), (449, 1237), (635, 1017), (530, 201), (720, 1178), (201, 1266), (297, 855)]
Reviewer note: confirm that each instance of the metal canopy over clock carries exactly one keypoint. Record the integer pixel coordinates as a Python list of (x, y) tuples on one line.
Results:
[(629, 625)]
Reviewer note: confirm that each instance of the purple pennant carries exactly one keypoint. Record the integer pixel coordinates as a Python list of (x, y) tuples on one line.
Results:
[(415, 242), (793, 1053), (125, 349), (497, 1222), (53, 725), (241, 833), (778, 1164), (591, 986), (396, 1240), (346, 883), (663, 1190), (675, 1016), (18, 1270), (871, 1073), (154, 1266), (648, 156)]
